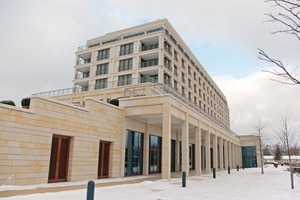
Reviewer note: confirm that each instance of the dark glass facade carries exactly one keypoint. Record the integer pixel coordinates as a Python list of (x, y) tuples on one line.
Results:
[(134, 153), (249, 156)]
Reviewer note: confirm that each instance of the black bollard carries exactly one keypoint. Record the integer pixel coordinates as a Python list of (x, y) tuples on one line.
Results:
[(237, 168), (228, 169), (214, 172), (183, 179), (90, 190), (243, 167)]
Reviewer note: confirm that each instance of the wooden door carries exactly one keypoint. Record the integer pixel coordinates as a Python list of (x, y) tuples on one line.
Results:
[(104, 153), (59, 159)]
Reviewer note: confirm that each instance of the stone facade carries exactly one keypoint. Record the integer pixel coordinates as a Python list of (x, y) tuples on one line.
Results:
[(26, 136), (171, 116)]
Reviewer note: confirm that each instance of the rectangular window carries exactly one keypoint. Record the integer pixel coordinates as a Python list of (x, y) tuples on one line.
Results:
[(102, 69), (167, 79), (101, 83), (167, 63), (125, 64), (175, 56), (183, 77), (175, 70), (134, 153), (126, 49), (167, 47), (175, 85), (103, 54), (125, 80)]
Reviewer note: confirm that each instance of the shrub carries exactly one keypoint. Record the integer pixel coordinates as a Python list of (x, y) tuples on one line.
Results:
[(25, 101), (8, 102), (114, 102)]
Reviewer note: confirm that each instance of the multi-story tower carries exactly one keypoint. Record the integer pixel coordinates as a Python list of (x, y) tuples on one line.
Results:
[(171, 116), (152, 52)]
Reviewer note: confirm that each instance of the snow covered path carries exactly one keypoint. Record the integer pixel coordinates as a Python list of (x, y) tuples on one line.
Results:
[(243, 185)]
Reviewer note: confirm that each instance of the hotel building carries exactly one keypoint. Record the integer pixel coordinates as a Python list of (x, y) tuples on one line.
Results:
[(141, 103)]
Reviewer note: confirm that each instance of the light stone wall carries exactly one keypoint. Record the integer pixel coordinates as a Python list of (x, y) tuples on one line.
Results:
[(26, 137)]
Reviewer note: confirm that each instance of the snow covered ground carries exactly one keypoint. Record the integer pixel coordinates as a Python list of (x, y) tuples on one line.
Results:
[(242, 185)]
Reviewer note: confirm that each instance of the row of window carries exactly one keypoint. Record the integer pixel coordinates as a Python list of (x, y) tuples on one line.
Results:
[(168, 48), (122, 80)]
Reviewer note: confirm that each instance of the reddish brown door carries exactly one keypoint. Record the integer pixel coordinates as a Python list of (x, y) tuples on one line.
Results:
[(104, 152), (59, 159)]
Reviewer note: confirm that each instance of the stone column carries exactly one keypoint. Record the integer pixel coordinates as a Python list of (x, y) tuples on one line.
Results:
[(146, 150), (207, 151), (229, 154), (198, 149), (185, 145), (234, 156), (123, 146), (215, 151), (241, 157), (221, 153), (166, 142), (226, 153)]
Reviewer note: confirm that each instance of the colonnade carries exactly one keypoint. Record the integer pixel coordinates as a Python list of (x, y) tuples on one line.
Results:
[(214, 147)]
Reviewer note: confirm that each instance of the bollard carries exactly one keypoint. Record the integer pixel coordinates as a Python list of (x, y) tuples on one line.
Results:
[(214, 172), (183, 179), (90, 190), (237, 168), (228, 169), (243, 167)]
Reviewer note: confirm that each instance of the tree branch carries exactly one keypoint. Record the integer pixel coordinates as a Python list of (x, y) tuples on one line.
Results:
[(288, 77)]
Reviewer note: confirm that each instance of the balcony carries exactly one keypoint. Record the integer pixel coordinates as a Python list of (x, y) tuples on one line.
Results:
[(168, 50), (149, 47), (83, 61), (82, 75), (168, 66), (148, 63)]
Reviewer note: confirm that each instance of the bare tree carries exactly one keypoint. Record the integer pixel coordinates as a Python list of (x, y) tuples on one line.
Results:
[(288, 137), (277, 153), (288, 20), (259, 131)]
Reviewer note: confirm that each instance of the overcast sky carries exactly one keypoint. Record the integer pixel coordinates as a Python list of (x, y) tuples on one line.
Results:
[(39, 39)]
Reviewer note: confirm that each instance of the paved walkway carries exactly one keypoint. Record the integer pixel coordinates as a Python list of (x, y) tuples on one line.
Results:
[(56, 187)]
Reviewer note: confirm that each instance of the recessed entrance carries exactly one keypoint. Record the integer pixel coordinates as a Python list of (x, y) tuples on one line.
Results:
[(59, 159)]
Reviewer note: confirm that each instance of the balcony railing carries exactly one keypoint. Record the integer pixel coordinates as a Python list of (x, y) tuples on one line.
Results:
[(168, 66), (126, 52), (82, 62), (148, 63), (149, 47), (112, 84), (83, 75), (168, 50)]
